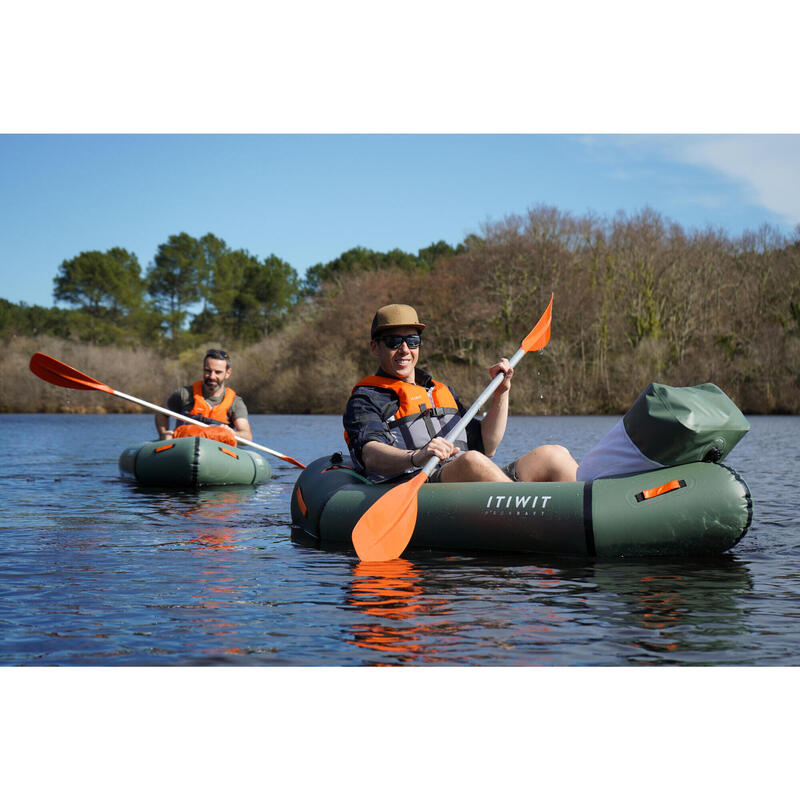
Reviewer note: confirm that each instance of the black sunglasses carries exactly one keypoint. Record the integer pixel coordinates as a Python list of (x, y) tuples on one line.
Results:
[(393, 341)]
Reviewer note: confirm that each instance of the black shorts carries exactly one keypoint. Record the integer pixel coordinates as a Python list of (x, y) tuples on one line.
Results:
[(436, 475)]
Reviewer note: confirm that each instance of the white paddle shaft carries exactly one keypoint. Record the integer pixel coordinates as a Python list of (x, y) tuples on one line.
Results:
[(473, 409), (191, 421)]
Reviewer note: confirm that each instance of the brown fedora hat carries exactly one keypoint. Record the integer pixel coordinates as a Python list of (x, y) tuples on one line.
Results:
[(395, 315)]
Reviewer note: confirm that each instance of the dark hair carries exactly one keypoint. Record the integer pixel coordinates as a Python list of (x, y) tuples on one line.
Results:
[(220, 355)]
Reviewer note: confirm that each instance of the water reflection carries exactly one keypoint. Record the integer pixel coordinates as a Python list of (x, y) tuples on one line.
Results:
[(392, 598), (207, 520), (676, 613), (215, 510), (210, 512), (647, 612)]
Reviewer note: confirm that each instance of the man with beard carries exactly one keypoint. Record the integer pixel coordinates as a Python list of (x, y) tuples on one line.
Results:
[(210, 400)]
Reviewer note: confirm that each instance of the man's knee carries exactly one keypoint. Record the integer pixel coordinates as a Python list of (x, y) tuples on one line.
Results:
[(558, 452), (473, 466), (560, 462), (550, 462), (474, 460)]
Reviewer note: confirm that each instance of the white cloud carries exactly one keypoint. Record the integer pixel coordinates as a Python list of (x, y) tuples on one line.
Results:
[(766, 167)]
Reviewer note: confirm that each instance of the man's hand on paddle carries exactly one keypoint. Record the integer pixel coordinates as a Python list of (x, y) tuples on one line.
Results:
[(502, 366), (438, 447)]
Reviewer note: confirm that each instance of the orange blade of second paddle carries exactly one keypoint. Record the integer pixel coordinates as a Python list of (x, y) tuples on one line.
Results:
[(538, 338), (56, 372), (386, 527)]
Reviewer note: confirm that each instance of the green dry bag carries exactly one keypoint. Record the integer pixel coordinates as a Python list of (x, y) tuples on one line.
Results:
[(668, 426), (677, 425)]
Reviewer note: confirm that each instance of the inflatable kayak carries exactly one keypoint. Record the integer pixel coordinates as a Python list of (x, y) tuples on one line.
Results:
[(694, 509), (192, 462)]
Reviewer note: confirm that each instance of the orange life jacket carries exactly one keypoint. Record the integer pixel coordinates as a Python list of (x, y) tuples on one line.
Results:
[(202, 408), (422, 414)]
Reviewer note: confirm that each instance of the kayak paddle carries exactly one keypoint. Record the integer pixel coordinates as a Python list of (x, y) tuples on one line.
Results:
[(386, 527), (56, 372)]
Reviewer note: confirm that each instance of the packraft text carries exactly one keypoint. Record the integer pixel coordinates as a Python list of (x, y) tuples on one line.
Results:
[(525, 502)]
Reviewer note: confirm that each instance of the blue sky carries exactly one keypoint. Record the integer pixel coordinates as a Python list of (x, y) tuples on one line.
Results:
[(309, 128), (308, 198)]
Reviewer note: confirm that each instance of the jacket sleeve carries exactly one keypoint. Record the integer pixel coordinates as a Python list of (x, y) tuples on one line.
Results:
[(364, 417), (177, 401)]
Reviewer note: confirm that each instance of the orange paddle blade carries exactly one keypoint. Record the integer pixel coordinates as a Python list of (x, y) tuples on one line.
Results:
[(56, 372), (538, 338), (386, 527)]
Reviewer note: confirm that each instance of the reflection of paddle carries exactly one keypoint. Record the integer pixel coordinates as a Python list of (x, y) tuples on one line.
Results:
[(386, 527), (387, 593), (53, 371)]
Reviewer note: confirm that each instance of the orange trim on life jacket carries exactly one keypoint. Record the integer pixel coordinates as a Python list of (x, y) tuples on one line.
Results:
[(202, 407), (411, 395)]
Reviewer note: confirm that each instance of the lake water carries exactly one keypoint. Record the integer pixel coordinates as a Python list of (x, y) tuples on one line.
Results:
[(97, 571)]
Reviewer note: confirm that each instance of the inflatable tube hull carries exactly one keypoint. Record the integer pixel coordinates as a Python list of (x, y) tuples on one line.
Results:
[(192, 462), (693, 510)]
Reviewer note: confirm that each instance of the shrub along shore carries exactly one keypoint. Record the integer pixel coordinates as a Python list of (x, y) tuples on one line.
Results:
[(637, 299)]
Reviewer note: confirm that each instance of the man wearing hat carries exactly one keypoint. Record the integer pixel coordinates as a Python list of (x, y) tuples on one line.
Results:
[(398, 418)]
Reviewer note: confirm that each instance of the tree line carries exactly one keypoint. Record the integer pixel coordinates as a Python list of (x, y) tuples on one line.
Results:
[(112, 302), (637, 299), (242, 298)]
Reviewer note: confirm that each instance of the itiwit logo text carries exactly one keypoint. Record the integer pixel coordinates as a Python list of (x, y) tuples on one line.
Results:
[(525, 504)]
